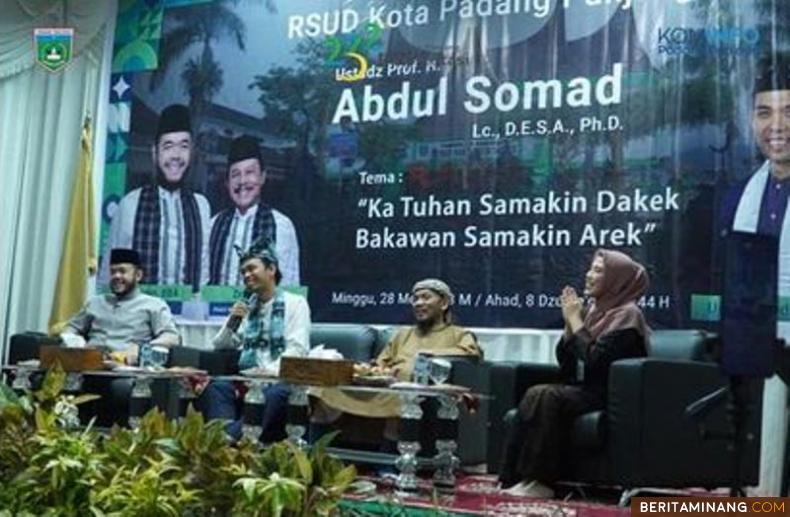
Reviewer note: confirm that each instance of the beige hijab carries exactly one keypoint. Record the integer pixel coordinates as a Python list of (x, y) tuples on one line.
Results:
[(624, 282)]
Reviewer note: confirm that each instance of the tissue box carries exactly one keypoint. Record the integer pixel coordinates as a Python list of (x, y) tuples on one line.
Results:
[(316, 372), (71, 359)]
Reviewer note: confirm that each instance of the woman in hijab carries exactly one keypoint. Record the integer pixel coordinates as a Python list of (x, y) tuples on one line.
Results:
[(613, 328)]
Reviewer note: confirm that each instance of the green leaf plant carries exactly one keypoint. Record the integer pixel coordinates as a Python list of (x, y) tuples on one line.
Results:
[(46, 469), (321, 480), (163, 468)]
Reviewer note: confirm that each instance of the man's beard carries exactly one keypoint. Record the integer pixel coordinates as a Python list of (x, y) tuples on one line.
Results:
[(128, 288), (428, 323)]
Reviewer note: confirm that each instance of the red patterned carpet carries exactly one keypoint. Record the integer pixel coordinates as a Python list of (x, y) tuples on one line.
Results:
[(474, 495)]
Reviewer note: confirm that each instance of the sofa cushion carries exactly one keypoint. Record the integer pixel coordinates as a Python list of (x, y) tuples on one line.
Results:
[(685, 345), (354, 341)]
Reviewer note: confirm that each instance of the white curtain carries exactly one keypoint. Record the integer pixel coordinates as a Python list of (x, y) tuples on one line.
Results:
[(41, 114)]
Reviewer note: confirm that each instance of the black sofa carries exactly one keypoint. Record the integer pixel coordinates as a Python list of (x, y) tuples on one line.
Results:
[(113, 406), (644, 438), (363, 343), (357, 342)]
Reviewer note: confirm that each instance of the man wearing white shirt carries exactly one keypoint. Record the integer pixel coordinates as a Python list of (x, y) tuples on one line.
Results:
[(166, 222), (272, 323), (250, 220), (760, 205)]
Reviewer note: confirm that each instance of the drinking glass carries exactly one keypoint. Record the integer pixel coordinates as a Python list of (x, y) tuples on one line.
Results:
[(152, 356), (159, 356), (422, 366), (440, 370)]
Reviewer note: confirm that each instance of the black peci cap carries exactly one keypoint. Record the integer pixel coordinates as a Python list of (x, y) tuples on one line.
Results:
[(243, 148), (172, 119), (124, 256), (773, 73)]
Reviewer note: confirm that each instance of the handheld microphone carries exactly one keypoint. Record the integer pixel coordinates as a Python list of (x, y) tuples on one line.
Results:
[(234, 321)]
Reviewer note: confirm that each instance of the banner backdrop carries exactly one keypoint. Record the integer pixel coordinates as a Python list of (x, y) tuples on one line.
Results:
[(492, 143)]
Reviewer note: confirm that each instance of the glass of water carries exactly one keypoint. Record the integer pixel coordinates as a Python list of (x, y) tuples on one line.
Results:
[(152, 356), (439, 370), (422, 367), (159, 356)]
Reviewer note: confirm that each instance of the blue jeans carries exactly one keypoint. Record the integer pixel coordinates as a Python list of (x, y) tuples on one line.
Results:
[(219, 400)]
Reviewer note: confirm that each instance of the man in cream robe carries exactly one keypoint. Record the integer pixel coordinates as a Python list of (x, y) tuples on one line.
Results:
[(433, 333)]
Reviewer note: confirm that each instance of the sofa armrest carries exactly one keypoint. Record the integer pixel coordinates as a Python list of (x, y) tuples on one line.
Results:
[(469, 372), (650, 436), (472, 427), (215, 362), (589, 431), (26, 345), (184, 356), (508, 383)]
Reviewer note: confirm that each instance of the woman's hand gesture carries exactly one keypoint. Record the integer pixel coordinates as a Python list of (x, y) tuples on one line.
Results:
[(571, 305)]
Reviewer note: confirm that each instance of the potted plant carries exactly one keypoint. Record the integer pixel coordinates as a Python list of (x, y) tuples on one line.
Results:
[(164, 468)]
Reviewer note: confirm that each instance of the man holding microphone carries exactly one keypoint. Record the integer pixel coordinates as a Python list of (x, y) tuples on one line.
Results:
[(270, 324)]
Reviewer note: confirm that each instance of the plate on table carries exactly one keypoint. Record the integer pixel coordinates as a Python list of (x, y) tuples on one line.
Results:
[(373, 380)]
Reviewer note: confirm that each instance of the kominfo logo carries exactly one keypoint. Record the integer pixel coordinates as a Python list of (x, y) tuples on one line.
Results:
[(711, 40)]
